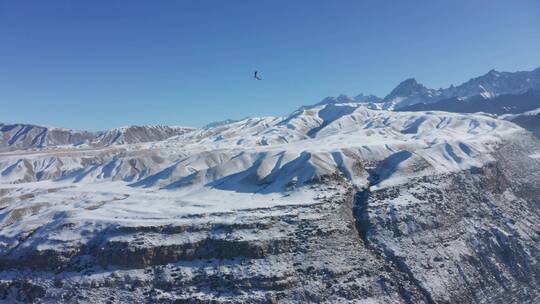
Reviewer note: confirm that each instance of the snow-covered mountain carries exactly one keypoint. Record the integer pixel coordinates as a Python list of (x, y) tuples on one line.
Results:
[(409, 92), (25, 136), (137, 134), (496, 83), (295, 137), (499, 105), (336, 202), (488, 86)]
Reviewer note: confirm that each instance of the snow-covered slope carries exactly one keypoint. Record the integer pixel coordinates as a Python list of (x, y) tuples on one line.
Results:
[(269, 153), (263, 156), (335, 202)]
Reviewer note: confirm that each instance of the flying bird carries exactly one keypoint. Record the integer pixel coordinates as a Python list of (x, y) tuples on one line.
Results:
[(256, 75)]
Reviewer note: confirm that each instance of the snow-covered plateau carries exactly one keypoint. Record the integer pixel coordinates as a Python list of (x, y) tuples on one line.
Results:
[(332, 203)]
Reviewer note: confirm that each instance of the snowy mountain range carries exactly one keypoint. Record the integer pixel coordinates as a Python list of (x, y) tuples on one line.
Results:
[(268, 142), (495, 92), (25, 136), (490, 85), (341, 201)]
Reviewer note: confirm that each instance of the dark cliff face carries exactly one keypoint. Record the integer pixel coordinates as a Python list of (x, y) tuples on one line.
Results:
[(464, 237)]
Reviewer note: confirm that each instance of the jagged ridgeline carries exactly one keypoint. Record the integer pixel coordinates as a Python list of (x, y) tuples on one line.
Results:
[(337, 202)]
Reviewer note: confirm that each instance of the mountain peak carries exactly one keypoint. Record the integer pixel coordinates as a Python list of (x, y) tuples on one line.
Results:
[(406, 88), (493, 74), (410, 91), (409, 81)]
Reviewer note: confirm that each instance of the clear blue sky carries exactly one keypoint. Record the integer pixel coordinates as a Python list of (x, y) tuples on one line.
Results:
[(101, 64)]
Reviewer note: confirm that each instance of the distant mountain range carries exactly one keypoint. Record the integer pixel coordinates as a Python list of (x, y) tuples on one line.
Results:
[(495, 92), (409, 92), (501, 104), (26, 136), (498, 93)]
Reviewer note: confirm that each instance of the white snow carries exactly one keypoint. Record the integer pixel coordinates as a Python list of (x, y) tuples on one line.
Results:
[(249, 164), (513, 116), (535, 155)]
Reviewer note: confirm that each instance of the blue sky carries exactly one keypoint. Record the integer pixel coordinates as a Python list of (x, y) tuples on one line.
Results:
[(102, 64)]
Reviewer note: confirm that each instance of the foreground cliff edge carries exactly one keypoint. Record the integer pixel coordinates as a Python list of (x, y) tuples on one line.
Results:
[(335, 202)]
